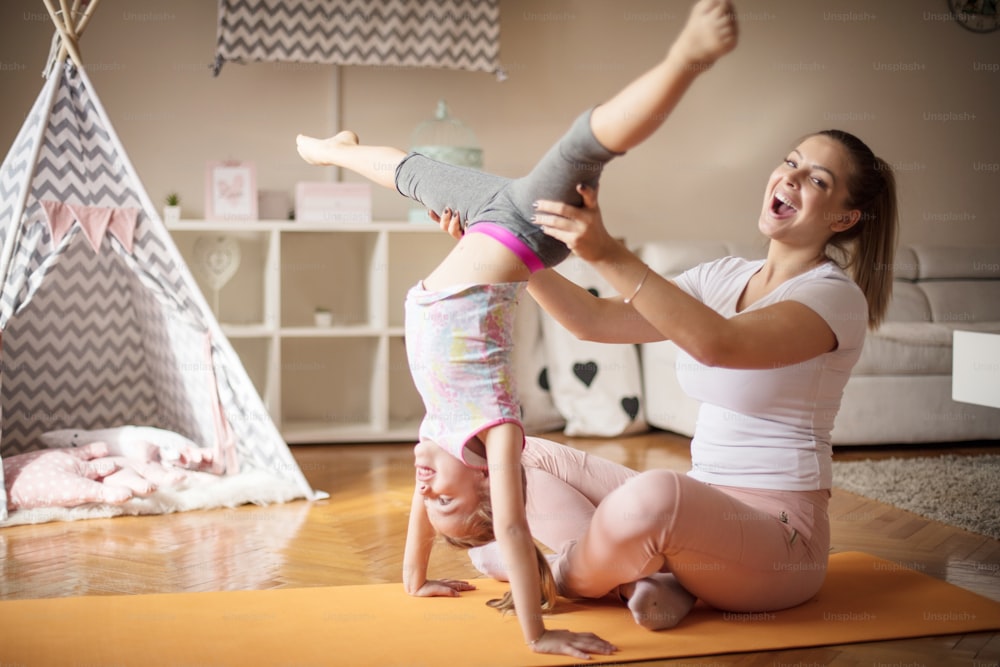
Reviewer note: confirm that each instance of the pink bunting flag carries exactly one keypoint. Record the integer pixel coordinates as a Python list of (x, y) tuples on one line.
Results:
[(59, 217), (95, 221), (122, 225)]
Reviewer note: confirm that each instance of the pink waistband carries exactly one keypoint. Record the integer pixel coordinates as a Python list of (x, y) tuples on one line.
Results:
[(511, 241)]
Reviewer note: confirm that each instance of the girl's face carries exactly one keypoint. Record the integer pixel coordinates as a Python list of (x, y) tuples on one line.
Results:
[(806, 198), (451, 489)]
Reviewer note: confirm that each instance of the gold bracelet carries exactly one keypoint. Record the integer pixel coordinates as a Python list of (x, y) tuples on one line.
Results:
[(638, 287)]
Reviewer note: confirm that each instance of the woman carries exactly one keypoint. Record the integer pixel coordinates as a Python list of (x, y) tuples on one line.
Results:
[(767, 346)]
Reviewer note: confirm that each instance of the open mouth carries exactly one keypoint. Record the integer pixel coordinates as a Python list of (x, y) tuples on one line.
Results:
[(782, 206), (424, 473)]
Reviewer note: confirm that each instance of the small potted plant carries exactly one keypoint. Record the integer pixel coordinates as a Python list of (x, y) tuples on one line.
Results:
[(323, 317), (172, 211)]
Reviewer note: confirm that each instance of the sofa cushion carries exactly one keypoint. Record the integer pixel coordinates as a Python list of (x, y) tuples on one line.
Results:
[(963, 301), (908, 348), (908, 304), (904, 266), (912, 409), (951, 263)]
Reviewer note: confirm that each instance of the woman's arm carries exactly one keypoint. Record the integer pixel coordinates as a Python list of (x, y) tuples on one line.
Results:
[(588, 317), (782, 334), (604, 320)]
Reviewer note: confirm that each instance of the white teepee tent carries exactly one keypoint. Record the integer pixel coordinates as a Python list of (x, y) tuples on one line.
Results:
[(101, 323)]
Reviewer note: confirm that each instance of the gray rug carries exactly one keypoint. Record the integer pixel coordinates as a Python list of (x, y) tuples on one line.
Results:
[(962, 491)]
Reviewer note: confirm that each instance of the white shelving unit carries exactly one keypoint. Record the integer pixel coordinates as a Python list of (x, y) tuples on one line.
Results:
[(349, 382)]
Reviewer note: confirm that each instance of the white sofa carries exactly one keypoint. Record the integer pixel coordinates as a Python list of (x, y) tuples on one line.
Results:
[(900, 390)]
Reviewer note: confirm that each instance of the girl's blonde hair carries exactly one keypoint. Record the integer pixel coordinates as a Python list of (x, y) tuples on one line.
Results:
[(867, 249), (480, 532)]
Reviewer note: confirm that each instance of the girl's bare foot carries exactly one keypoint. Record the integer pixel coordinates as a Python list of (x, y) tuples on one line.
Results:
[(710, 33), (324, 152)]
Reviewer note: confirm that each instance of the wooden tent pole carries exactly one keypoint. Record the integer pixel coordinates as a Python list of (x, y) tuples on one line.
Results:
[(69, 22), (81, 24), (58, 51), (68, 38), (69, 19)]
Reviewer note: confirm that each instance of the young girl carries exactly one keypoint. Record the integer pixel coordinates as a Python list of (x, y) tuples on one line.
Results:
[(459, 319)]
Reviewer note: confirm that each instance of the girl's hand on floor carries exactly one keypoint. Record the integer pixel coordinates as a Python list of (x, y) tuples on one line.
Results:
[(576, 644), (448, 588)]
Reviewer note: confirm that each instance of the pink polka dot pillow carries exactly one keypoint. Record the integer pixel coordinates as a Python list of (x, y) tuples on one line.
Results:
[(60, 478)]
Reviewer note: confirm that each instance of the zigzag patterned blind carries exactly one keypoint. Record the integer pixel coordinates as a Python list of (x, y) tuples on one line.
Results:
[(456, 34)]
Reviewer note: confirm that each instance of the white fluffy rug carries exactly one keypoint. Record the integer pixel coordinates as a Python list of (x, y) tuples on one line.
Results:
[(962, 491), (253, 486)]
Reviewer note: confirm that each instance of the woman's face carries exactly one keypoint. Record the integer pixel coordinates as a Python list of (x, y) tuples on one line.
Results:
[(451, 490), (806, 198)]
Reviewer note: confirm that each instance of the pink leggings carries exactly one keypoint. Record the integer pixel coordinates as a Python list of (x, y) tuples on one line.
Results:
[(737, 549)]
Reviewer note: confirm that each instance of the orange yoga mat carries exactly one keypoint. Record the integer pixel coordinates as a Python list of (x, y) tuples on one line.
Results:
[(864, 599)]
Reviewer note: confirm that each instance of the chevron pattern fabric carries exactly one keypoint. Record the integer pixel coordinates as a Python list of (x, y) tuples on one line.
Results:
[(101, 339), (74, 354), (455, 34), (15, 183)]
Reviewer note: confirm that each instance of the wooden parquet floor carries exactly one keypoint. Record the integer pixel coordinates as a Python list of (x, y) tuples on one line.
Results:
[(356, 537)]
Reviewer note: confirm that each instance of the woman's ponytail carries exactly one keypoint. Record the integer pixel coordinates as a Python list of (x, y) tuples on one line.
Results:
[(869, 247)]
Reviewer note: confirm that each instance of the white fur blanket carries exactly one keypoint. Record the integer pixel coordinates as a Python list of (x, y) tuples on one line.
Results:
[(253, 486)]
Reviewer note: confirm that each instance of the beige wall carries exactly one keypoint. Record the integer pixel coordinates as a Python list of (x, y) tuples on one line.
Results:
[(924, 93)]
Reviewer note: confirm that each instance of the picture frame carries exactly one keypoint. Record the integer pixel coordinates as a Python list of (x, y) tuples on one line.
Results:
[(230, 190)]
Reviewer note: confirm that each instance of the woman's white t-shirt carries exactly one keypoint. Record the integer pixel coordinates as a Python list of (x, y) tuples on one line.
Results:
[(771, 428)]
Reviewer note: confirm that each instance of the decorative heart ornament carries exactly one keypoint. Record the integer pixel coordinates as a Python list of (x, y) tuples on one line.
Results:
[(217, 259), (586, 372)]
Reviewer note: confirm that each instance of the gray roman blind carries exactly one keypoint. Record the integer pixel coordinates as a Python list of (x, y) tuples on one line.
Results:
[(455, 34)]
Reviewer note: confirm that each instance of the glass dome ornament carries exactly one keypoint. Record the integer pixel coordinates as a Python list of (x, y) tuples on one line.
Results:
[(446, 139)]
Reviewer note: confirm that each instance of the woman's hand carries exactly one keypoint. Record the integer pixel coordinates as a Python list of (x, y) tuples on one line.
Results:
[(581, 228), (449, 221), (445, 588), (576, 644)]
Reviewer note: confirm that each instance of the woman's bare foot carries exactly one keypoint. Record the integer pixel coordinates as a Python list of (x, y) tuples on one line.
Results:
[(710, 33), (325, 152)]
